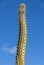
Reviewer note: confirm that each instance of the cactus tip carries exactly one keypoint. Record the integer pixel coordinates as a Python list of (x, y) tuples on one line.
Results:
[(22, 5)]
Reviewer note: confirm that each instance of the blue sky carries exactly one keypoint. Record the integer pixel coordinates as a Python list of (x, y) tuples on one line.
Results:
[(9, 31)]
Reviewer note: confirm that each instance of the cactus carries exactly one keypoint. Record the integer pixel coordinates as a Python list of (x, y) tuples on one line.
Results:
[(22, 36)]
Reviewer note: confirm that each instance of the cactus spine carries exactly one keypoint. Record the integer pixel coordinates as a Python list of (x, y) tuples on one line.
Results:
[(22, 36)]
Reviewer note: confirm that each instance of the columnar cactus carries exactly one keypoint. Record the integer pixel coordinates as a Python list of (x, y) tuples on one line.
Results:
[(22, 36)]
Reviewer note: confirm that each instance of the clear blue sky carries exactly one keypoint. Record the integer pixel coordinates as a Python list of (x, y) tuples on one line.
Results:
[(9, 31)]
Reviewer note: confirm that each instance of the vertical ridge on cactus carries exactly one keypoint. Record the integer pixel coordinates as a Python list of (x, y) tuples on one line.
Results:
[(22, 35)]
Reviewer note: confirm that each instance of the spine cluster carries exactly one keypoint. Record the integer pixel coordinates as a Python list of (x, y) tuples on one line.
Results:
[(22, 36)]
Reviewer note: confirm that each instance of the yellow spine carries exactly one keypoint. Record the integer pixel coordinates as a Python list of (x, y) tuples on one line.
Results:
[(22, 36)]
